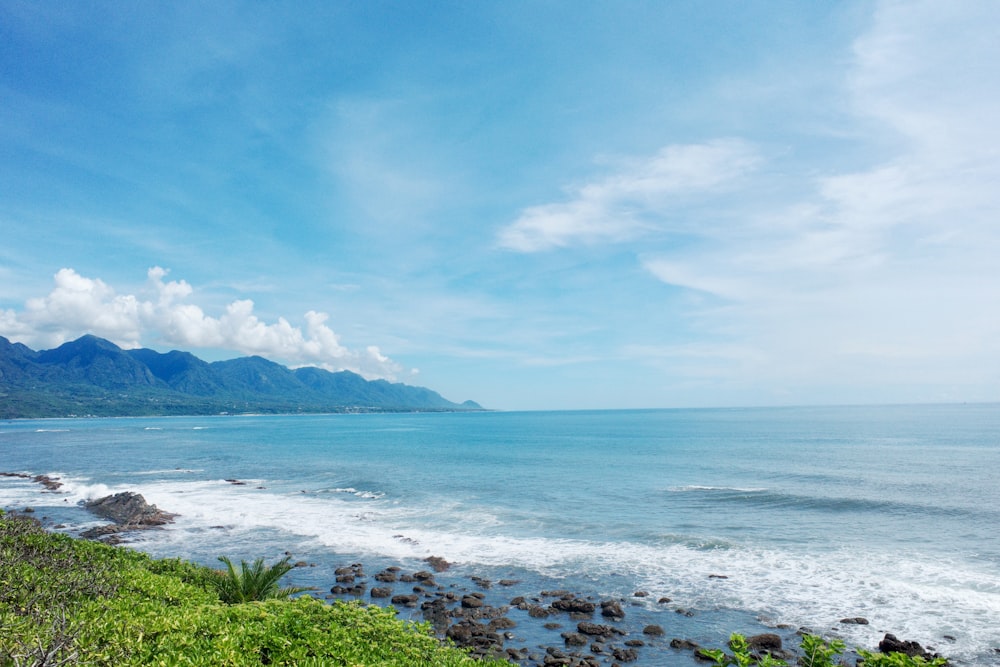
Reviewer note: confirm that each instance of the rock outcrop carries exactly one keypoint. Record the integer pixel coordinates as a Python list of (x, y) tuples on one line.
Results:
[(127, 511)]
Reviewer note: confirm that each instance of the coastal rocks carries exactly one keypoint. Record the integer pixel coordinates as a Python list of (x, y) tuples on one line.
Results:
[(437, 563), (50, 483), (574, 605), (767, 641), (891, 644), (128, 511), (856, 620), (612, 609)]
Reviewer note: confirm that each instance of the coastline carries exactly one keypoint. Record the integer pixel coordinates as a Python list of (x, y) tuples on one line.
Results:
[(505, 617)]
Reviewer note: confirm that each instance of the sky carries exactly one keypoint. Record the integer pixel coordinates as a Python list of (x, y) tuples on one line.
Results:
[(535, 205)]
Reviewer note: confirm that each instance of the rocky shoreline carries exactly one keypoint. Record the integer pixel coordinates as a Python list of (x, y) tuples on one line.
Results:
[(586, 631), (571, 629)]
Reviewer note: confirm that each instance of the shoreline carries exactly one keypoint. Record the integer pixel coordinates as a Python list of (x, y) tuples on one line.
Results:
[(530, 627)]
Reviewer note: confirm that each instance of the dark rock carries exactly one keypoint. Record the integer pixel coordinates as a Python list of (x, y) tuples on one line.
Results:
[(857, 620), (437, 563), (663, 601), (345, 578), (471, 602), (598, 630), (612, 609), (552, 626), (129, 509), (50, 483), (405, 600), (575, 605), (381, 592), (508, 582), (538, 611), (501, 623), (574, 639), (653, 631), (387, 577), (482, 583), (718, 576), (625, 654), (640, 594), (685, 644), (890, 644), (555, 594), (767, 641)]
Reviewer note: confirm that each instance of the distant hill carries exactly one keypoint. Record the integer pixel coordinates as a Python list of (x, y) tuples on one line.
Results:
[(93, 376)]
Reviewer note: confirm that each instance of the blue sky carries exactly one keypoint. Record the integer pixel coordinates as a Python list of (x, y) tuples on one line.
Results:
[(535, 205)]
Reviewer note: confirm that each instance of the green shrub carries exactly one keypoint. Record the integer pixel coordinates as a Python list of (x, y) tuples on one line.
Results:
[(253, 582), (73, 602)]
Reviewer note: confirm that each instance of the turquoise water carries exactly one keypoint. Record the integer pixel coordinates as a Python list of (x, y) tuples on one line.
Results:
[(811, 514)]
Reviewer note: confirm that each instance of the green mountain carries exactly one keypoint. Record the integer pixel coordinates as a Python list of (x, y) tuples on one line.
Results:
[(93, 376)]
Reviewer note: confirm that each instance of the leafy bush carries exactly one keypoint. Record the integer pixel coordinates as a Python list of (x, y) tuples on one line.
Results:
[(817, 652), (73, 602), (254, 582), (869, 659)]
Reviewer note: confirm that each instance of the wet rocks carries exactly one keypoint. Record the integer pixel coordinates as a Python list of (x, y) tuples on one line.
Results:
[(437, 563), (405, 600), (767, 641), (891, 644), (127, 511), (612, 609), (574, 605), (50, 483), (596, 629), (856, 620)]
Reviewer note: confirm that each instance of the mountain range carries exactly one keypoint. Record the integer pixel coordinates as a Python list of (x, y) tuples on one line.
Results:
[(92, 376)]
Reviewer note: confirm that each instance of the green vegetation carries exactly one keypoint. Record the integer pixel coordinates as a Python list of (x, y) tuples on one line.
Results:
[(73, 602), (254, 582), (817, 652)]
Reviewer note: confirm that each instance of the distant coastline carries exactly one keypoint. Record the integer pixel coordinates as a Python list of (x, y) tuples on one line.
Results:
[(93, 377)]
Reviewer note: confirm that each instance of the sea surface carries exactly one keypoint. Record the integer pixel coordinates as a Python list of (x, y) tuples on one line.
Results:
[(744, 518)]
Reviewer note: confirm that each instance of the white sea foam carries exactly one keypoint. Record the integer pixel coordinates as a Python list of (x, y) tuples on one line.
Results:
[(730, 489), (909, 596)]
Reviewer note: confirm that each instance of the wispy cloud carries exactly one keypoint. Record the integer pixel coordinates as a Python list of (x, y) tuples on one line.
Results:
[(882, 273), (78, 304), (631, 200)]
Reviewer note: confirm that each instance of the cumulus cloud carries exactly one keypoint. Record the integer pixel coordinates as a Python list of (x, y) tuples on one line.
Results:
[(78, 305), (626, 203)]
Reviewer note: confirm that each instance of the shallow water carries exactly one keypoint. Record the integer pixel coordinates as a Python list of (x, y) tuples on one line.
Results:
[(811, 514)]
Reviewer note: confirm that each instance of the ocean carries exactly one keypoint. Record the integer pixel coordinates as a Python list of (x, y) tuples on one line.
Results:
[(744, 519)]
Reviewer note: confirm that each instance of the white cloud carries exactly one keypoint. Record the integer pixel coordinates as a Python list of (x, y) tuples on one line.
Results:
[(883, 274), (80, 305), (623, 205)]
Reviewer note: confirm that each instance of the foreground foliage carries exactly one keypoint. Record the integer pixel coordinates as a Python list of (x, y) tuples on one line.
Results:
[(816, 652), (254, 582), (72, 602)]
